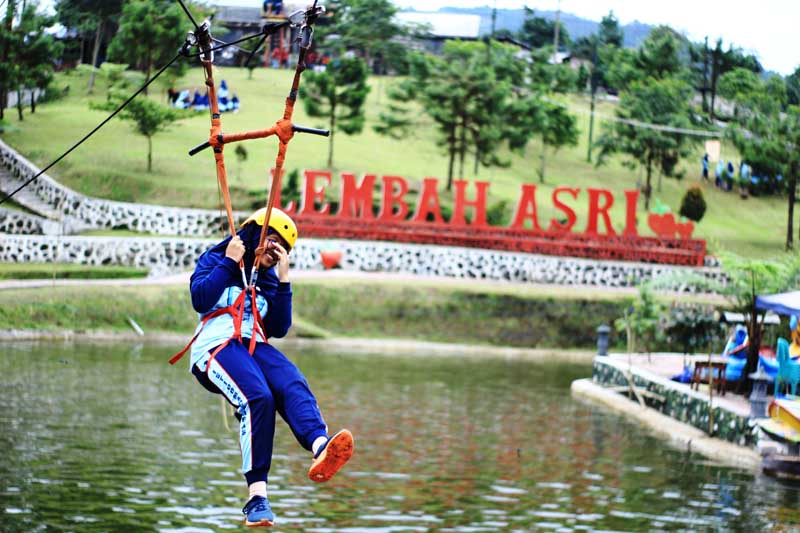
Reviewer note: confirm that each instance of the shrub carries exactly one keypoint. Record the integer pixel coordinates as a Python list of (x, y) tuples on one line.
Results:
[(693, 205)]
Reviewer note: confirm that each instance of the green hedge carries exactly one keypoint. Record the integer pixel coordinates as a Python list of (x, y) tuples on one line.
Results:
[(444, 315), (320, 309), (67, 271)]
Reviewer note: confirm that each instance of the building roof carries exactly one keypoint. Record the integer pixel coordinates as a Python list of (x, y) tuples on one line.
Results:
[(249, 15), (238, 15), (444, 25)]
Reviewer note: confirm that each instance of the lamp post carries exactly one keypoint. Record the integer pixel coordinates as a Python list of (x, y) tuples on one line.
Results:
[(602, 339), (758, 396)]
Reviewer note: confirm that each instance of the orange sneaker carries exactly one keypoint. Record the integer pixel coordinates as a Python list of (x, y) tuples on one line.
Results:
[(331, 456)]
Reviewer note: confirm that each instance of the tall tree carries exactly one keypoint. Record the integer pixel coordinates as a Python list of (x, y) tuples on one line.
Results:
[(539, 31), (767, 134), (663, 54), (793, 87), (737, 84), (369, 28), (93, 16), (609, 33), (150, 32), (722, 61), (657, 102), (537, 114), (558, 128), (35, 55), (148, 118), (29, 53), (338, 94), (467, 92), (8, 70)]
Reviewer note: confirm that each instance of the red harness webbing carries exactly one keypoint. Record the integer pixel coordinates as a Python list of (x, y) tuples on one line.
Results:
[(236, 310)]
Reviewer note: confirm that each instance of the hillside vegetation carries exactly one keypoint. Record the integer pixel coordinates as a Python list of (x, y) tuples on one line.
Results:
[(112, 164)]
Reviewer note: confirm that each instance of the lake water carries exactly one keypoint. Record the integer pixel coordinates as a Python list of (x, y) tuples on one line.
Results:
[(111, 438)]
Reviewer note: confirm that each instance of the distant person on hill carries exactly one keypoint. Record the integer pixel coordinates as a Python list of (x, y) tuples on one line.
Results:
[(272, 8), (718, 173), (744, 176), (230, 355), (276, 58), (729, 176), (704, 163)]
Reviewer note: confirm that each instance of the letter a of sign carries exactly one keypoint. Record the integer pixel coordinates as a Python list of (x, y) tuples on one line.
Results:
[(526, 208), (428, 203)]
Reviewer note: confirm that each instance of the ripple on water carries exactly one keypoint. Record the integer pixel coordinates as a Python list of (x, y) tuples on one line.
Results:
[(363, 529), (439, 436), (508, 490)]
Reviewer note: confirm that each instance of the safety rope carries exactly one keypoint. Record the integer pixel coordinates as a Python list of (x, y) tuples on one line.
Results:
[(184, 51), (284, 129), (96, 128)]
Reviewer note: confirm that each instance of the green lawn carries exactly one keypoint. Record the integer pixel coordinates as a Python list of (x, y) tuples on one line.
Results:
[(112, 163)]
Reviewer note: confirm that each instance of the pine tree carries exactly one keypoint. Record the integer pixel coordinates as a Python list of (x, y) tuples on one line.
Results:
[(337, 94)]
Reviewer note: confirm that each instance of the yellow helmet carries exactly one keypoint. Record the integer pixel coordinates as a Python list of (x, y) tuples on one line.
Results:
[(279, 221)]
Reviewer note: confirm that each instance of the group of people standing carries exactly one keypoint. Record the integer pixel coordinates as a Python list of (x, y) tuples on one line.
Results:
[(199, 102), (724, 174)]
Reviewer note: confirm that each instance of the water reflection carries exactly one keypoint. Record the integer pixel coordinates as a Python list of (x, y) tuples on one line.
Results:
[(110, 438)]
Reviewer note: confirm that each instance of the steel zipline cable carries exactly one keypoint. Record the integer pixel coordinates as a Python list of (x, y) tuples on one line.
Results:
[(183, 52), (189, 14), (103, 123)]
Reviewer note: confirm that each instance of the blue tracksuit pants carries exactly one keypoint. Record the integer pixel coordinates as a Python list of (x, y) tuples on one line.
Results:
[(259, 386)]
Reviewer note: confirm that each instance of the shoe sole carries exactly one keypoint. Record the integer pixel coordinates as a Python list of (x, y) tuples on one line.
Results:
[(260, 523), (336, 454)]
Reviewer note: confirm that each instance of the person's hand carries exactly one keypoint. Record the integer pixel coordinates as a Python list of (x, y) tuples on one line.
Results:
[(235, 249), (281, 258)]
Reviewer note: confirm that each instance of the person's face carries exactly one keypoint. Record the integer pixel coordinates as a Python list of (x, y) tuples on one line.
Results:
[(271, 257)]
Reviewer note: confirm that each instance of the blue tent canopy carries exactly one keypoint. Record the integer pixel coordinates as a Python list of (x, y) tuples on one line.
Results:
[(787, 303)]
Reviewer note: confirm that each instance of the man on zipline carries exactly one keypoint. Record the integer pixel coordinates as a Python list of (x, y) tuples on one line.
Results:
[(266, 382)]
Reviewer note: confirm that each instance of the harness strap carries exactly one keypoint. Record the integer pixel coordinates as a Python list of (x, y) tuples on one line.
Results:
[(175, 358), (258, 325), (236, 310)]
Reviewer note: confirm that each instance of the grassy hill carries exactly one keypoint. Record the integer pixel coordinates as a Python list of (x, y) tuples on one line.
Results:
[(112, 164)]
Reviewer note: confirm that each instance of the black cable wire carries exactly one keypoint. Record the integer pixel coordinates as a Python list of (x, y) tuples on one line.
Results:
[(268, 30), (254, 50), (112, 115), (188, 14)]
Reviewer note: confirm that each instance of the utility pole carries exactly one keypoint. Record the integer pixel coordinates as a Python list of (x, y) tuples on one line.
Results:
[(555, 34), (705, 75), (494, 18), (593, 88)]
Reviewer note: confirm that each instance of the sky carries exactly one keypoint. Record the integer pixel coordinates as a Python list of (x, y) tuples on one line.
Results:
[(770, 29)]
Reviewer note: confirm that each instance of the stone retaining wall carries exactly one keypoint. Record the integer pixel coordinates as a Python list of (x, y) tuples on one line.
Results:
[(78, 212), (29, 238), (21, 223), (169, 255), (680, 403)]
